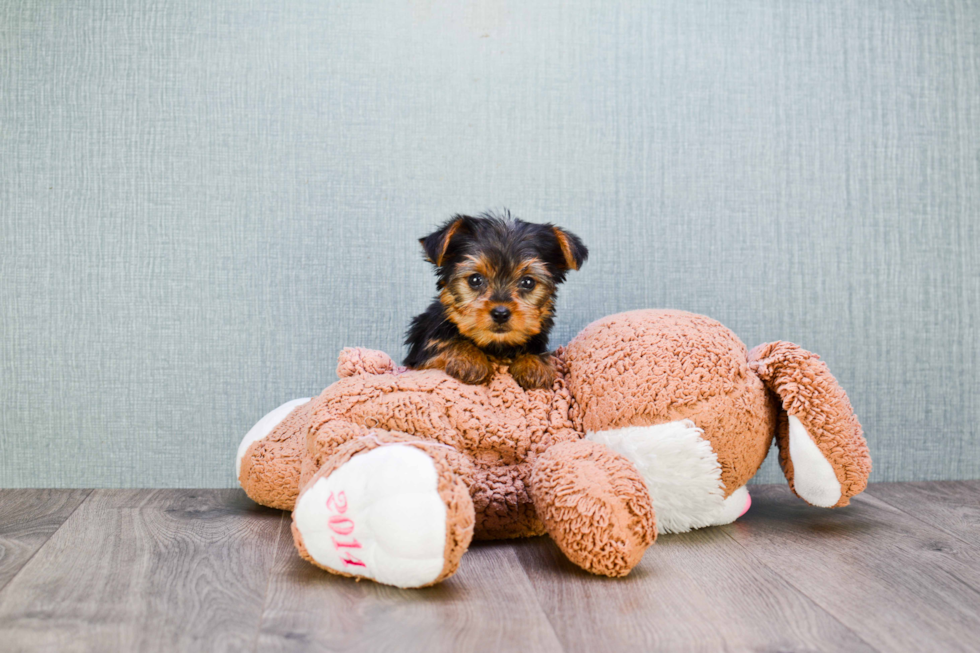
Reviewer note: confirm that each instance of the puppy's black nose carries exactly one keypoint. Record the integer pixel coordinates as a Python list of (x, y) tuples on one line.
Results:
[(500, 314)]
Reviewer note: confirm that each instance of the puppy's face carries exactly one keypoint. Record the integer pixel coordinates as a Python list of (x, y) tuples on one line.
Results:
[(498, 276), (496, 299)]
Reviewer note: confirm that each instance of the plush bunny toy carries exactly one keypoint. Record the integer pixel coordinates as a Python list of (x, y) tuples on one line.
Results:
[(657, 420)]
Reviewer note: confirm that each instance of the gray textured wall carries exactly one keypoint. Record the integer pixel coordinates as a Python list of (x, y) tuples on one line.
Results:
[(202, 201)]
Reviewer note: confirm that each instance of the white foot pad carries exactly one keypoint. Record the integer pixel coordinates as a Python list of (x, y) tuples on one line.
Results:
[(263, 428), (380, 516), (813, 476)]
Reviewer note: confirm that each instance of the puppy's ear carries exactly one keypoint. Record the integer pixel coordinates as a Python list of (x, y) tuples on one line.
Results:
[(436, 244), (573, 250)]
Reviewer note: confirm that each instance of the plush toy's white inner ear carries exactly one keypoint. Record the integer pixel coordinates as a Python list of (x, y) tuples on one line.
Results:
[(813, 475), (263, 428)]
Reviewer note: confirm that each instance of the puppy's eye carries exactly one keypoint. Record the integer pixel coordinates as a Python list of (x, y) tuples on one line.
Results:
[(527, 283), (475, 281)]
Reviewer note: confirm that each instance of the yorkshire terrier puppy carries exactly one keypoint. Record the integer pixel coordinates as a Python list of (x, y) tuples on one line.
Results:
[(497, 281)]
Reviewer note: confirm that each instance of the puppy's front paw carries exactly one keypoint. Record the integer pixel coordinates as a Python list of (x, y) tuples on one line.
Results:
[(463, 361), (470, 369), (532, 371)]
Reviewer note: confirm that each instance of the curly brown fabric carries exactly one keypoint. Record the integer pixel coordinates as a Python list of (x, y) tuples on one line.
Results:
[(270, 473), (810, 393), (356, 360), (595, 506)]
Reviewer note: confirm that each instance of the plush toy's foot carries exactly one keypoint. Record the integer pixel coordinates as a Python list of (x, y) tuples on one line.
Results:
[(595, 506), (269, 456), (395, 513)]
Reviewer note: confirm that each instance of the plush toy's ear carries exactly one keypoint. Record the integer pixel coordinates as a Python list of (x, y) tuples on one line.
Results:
[(436, 244), (822, 449), (573, 249)]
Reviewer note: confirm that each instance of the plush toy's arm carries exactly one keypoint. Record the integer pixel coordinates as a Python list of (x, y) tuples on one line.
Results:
[(821, 447)]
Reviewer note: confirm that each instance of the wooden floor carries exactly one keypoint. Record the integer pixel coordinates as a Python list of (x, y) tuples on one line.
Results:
[(208, 570)]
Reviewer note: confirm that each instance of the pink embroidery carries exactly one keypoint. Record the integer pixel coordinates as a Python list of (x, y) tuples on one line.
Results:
[(340, 507), (351, 560), (343, 526), (347, 545)]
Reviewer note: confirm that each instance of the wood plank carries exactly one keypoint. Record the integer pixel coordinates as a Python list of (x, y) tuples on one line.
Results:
[(657, 607), (488, 605), (898, 583), (146, 570), (953, 506), (692, 592), (27, 519), (757, 607)]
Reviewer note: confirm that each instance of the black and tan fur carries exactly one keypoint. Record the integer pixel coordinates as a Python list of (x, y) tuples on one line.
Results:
[(491, 266)]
